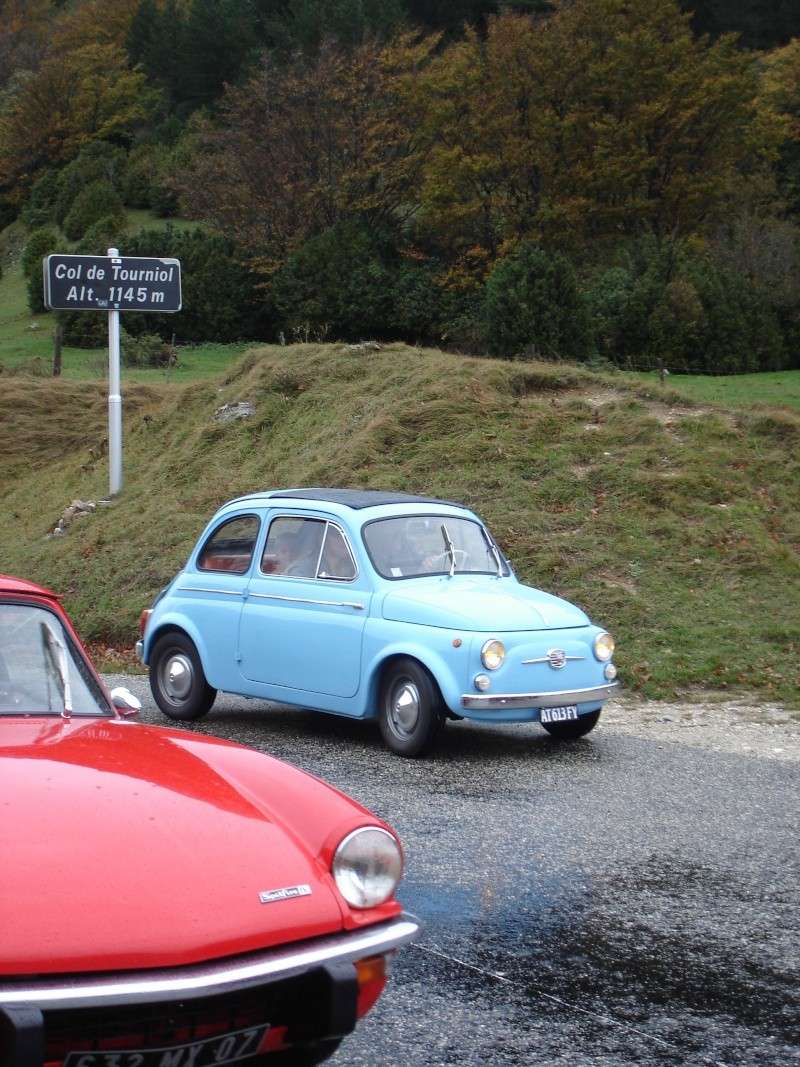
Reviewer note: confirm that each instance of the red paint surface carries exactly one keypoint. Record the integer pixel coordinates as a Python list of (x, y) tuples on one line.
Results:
[(127, 846)]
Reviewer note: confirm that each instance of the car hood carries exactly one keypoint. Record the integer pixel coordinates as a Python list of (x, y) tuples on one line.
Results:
[(479, 603), (126, 846)]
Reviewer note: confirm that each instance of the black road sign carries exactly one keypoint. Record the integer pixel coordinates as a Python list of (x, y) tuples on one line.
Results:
[(106, 283)]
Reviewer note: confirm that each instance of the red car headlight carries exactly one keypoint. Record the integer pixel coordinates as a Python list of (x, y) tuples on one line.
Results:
[(367, 867)]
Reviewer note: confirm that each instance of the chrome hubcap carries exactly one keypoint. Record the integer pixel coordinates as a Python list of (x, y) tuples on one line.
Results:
[(405, 708), (176, 676)]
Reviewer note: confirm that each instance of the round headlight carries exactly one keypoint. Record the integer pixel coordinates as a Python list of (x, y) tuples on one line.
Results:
[(604, 647), (367, 867), (492, 655)]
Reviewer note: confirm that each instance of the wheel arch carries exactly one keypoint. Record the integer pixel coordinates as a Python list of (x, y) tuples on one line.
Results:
[(427, 660), (175, 625)]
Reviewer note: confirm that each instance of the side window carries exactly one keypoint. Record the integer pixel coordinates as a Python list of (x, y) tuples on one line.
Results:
[(293, 546), (230, 547), (336, 561)]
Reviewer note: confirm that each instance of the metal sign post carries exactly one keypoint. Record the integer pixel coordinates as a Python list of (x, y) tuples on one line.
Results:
[(112, 284), (114, 400)]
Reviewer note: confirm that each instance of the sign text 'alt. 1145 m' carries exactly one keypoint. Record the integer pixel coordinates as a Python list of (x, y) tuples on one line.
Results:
[(106, 283)]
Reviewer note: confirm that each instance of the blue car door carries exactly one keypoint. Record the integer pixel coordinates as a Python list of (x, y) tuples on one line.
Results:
[(305, 609)]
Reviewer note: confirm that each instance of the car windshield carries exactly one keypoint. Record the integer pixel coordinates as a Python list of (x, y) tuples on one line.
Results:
[(415, 545), (41, 673)]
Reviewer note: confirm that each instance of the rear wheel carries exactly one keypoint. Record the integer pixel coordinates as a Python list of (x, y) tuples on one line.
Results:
[(574, 728), (411, 714), (177, 680)]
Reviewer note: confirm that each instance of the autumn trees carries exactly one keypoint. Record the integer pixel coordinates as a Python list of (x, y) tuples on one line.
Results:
[(530, 176)]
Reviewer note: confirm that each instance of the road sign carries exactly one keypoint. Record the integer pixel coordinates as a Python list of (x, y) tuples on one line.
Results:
[(111, 283)]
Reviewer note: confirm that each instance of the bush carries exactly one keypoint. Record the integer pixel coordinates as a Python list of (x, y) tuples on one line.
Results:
[(222, 297), (98, 161), (104, 234), (683, 308), (85, 329), (143, 181), (40, 244), (99, 200), (533, 307), (339, 282), (40, 208), (147, 350)]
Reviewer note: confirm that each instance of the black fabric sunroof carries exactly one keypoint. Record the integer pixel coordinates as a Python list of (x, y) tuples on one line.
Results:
[(358, 498)]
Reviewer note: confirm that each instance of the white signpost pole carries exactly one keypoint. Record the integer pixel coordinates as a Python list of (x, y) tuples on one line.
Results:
[(114, 400)]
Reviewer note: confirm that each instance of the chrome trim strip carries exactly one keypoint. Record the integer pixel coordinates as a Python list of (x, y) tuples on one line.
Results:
[(305, 600), (546, 659), (203, 589), (498, 701), (212, 977)]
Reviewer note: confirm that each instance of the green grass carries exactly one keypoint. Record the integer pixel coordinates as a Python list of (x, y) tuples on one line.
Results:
[(674, 524), (775, 388)]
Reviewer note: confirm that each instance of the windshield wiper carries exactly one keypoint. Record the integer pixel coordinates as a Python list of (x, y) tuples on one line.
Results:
[(451, 551), (56, 653)]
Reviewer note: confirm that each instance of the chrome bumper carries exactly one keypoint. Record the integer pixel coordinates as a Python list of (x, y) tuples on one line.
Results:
[(498, 701), (139, 649), (209, 978)]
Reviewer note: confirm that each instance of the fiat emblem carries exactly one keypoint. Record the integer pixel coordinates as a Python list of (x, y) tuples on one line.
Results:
[(557, 658)]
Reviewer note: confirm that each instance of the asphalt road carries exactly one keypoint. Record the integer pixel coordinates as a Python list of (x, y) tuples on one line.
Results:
[(616, 901)]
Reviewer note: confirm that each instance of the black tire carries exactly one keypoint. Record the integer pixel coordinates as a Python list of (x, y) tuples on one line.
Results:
[(411, 714), (177, 680), (573, 728)]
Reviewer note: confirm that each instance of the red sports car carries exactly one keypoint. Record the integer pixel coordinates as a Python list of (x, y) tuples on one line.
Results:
[(168, 900)]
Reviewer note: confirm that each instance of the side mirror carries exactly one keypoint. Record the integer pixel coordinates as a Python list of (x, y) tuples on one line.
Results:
[(125, 702)]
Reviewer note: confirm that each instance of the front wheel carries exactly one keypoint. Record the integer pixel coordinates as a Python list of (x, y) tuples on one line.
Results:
[(177, 680), (411, 714), (574, 728)]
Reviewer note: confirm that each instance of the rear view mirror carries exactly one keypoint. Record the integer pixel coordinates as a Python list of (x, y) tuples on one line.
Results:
[(125, 702)]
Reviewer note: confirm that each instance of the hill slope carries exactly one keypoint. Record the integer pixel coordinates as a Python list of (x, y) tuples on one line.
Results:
[(675, 525)]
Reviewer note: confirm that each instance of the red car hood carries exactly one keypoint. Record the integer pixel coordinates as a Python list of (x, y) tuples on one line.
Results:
[(126, 846)]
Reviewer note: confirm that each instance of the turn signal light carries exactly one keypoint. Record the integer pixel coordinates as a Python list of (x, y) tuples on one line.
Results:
[(371, 975)]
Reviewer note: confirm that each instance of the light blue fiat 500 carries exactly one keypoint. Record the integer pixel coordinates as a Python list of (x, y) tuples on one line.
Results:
[(372, 605)]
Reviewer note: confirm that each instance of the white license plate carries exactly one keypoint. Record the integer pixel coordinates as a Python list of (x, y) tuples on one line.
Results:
[(214, 1051), (559, 714)]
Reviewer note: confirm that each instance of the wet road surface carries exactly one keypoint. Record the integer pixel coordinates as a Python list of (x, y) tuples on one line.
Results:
[(614, 901)]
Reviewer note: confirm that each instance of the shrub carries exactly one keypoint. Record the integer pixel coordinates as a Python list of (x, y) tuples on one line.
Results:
[(85, 329), (222, 298), (98, 161), (41, 204), (40, 244), (99, 200), (533, 307), (104, 234), (339, 279), (147, 350)]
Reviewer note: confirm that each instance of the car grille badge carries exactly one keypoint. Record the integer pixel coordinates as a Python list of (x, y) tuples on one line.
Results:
[(557, 658), (269, 896)]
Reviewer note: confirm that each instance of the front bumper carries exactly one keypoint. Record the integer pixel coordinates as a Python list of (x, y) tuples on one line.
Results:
[(36, 1011), (501, 701), (139, 647)]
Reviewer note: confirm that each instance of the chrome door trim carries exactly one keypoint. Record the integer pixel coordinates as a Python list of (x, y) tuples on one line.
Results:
[(203, 589), (307, 600)]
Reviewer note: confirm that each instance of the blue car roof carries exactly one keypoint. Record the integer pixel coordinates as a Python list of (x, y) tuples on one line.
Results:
[(357, 499)]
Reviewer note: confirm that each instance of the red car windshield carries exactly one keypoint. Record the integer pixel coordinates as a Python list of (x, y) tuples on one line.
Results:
[(41, 673)]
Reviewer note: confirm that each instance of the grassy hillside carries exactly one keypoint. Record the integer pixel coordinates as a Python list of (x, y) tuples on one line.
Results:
[(675, 524)]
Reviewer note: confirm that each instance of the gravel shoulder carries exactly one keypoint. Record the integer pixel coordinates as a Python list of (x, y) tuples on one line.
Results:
[(739, 725)]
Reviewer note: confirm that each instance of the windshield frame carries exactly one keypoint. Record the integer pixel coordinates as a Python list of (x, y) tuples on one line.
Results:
[(79, 657), (444, 518)]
